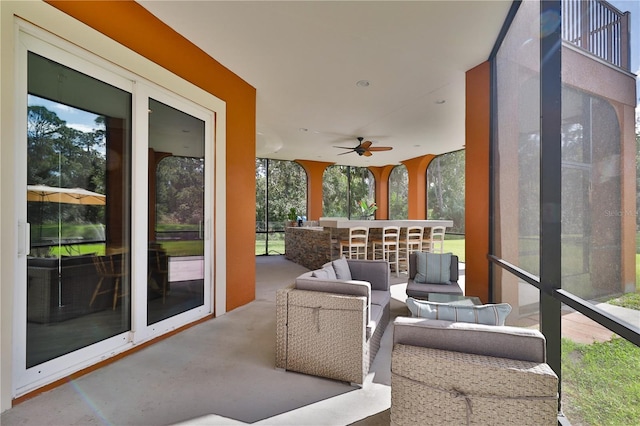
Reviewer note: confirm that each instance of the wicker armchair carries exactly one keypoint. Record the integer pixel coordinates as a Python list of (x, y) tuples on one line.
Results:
[(446, 373), (332, 328)]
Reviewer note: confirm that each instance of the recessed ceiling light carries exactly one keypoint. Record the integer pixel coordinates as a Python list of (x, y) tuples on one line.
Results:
[(302, 129), (440, 101), (363, 83)]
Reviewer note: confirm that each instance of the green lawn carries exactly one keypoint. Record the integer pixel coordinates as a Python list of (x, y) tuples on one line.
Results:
[(184, 247), (275, 247), (601, 382), (455, 245), (173, 248)]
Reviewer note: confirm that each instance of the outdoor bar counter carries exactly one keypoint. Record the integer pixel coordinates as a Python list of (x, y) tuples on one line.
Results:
[(313, 246)]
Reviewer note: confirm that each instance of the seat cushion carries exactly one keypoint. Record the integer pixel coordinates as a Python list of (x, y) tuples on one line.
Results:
[(500, 341), (380, 298), (376, 317), (420, 290)]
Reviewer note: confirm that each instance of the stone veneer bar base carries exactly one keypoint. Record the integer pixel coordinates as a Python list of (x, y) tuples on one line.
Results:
[(310, 246)]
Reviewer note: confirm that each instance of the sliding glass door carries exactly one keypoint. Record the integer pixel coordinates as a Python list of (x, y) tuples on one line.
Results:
[(78, 205), (176, 212), (114, 217)]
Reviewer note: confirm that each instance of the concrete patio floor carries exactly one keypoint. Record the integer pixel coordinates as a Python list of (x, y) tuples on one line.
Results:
[(222, 372)]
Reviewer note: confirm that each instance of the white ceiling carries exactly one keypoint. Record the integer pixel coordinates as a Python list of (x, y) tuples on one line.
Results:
[(305, 57)]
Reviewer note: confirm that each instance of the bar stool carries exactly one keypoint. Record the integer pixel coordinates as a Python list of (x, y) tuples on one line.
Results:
[(435, 237), (357, 243), (411, 243), (388, 246)]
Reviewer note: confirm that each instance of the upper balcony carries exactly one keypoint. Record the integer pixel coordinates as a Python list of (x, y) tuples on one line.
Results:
[(598, 28)]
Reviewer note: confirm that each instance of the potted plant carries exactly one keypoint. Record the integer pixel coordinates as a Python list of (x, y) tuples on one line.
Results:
[(292, 217), (367, 209)]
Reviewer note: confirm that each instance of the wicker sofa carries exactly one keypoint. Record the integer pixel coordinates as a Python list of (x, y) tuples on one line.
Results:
[(331, 327), (446, 373)]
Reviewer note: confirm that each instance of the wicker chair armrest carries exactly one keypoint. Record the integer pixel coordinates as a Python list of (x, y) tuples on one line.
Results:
[(308, 337), (282, 296), (466, 388)]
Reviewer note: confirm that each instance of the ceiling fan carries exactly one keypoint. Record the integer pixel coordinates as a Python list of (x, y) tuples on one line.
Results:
[(364, 148)]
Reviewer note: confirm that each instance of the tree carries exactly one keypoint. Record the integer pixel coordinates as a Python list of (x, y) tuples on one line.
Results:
[(280, 186), (399, 193), (60, 156), (180, 190), (445, 189), (343, 187)]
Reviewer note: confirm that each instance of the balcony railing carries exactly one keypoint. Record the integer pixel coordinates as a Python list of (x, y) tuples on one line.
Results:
[(599, 28)]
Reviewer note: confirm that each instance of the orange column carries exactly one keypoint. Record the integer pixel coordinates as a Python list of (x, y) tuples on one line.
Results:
[(381, 175), (417, 191), (477, 181), (315, 171)]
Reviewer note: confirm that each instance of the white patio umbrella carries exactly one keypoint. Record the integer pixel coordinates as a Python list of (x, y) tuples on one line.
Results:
[(50, 194)]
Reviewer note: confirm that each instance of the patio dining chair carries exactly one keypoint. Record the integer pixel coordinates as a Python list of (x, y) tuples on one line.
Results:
[(110, 268)]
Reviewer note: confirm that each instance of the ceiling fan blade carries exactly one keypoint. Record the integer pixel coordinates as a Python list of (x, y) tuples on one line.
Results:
[(345, 147), (367, 153), (346, 152), (366, 144), (380, 148)]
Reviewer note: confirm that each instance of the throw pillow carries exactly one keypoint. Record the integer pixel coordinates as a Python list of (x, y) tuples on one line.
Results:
[(341, 267), (433, 268), (326, 273), (490, 314)]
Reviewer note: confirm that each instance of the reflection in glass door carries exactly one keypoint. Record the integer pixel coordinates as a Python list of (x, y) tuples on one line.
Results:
[(78, 203), (175, 274)]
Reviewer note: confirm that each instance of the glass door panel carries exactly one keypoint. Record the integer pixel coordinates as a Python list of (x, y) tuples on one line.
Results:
[(78, 204), (175, 274)]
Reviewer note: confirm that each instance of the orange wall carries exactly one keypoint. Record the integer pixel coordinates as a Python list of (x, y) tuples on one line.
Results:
[(131, 25), (477, 182)]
